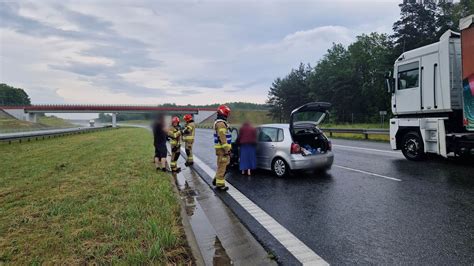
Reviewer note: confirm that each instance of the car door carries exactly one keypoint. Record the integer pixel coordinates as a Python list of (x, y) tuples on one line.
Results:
[(266, 146), (408, 87), (234, 159)]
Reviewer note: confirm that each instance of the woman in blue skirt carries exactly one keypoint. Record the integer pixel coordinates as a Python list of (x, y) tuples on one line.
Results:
[(248, 154)]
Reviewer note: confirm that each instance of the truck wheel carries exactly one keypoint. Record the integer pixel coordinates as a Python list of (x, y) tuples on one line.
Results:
[(280, 168), (412, 146)]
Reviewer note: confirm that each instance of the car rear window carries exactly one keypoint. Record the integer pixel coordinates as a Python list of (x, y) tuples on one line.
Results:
[(281, 137), (268, 134)]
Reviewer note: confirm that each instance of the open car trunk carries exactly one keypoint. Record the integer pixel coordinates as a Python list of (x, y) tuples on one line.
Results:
[(304, 129), (311, 141)]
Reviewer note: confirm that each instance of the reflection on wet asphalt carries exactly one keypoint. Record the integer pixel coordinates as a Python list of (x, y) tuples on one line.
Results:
[(349, 217), (209, 244)]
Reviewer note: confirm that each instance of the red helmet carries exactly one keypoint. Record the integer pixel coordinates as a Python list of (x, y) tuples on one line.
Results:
[(175, 120), (223, 110), (188, 117)]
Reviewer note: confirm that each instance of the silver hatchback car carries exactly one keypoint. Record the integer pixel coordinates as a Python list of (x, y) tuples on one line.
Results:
[(299, 145)]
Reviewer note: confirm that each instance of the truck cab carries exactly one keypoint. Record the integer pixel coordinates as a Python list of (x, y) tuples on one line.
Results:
[(432, 97)]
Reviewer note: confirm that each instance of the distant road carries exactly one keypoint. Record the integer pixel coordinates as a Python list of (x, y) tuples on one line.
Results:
[(373, 207), (38, 133)]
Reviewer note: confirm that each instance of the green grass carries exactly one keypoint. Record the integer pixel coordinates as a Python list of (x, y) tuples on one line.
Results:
[(53, 121), (88, 199), (136, 122), (9, 124), (255, 116)]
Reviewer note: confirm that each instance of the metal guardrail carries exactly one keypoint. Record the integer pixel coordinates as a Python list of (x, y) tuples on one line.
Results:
[(365, 132), (42, 134), (330, 131)]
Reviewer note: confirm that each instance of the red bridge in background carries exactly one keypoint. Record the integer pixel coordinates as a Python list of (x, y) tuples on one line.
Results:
[(105, 108), (28, 112)]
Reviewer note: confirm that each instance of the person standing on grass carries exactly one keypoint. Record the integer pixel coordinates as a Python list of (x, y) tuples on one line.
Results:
[(159, 141), (248, 155)]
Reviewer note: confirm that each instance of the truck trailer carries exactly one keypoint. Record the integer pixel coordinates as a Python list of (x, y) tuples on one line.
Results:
[(432, 91)]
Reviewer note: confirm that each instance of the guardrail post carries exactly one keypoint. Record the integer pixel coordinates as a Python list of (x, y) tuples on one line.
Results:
[(366, 136)]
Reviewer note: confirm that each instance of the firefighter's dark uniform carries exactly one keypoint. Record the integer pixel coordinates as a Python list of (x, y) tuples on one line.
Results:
[(188, 138), (174, 133), (222, 145)]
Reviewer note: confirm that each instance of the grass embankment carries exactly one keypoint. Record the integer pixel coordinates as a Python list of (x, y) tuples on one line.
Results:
[(255, 116), (53, 121), (237, 117), (92, 198), (9, 124), (136, 122)]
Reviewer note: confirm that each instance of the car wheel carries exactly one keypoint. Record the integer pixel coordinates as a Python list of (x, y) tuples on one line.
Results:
[(412, 146), (280, 168)]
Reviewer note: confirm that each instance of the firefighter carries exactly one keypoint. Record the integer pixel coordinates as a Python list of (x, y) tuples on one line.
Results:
[(188, 138), (222, 145), (174, 134)]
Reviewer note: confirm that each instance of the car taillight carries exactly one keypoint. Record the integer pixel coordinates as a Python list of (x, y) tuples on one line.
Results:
[(329, 145), (295, 148)]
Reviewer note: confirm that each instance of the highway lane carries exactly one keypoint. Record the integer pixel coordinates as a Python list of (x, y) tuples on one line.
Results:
[(354, 214)]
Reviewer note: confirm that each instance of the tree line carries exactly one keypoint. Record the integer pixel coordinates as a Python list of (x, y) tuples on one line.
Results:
[(352, 77), (13, 96)]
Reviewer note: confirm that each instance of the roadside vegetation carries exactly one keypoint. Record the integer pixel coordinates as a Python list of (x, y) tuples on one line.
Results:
[(357, 125), (9, 124), (88, 199), (351, 77), (53, 121), (137, 122)]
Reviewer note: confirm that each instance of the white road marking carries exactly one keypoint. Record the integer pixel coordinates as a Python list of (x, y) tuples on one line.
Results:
[(295, 246), (365, 149), (365, 172)]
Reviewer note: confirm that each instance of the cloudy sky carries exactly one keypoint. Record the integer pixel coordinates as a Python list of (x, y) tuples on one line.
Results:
[(151, 52)]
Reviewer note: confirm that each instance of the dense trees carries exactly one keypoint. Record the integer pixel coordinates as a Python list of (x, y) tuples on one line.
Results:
[(13, 96), (351, 78)]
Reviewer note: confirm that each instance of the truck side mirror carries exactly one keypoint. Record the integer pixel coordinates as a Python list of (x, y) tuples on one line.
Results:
[(389, 82)]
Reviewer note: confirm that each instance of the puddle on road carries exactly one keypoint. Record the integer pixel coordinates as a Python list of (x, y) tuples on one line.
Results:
[(211, 248)]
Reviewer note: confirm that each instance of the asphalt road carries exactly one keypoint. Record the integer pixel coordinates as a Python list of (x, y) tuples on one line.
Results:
[(372, 207)]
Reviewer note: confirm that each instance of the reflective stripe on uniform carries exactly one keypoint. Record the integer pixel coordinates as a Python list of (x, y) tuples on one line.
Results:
[(225, 146), (222, 146), (188, 137), (220, 182)]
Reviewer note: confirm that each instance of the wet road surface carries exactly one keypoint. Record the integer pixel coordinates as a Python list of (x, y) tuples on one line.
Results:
[(373, 207)]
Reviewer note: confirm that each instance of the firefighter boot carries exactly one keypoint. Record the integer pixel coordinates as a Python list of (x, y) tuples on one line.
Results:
[(189, 154)]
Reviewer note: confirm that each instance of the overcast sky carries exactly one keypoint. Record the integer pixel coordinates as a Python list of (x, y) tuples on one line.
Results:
[(152, 52)]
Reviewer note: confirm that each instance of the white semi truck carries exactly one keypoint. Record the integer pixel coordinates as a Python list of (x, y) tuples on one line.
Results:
[(432, 91)]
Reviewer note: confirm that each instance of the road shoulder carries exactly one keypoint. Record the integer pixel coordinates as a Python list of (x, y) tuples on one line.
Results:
[(219, 234)]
